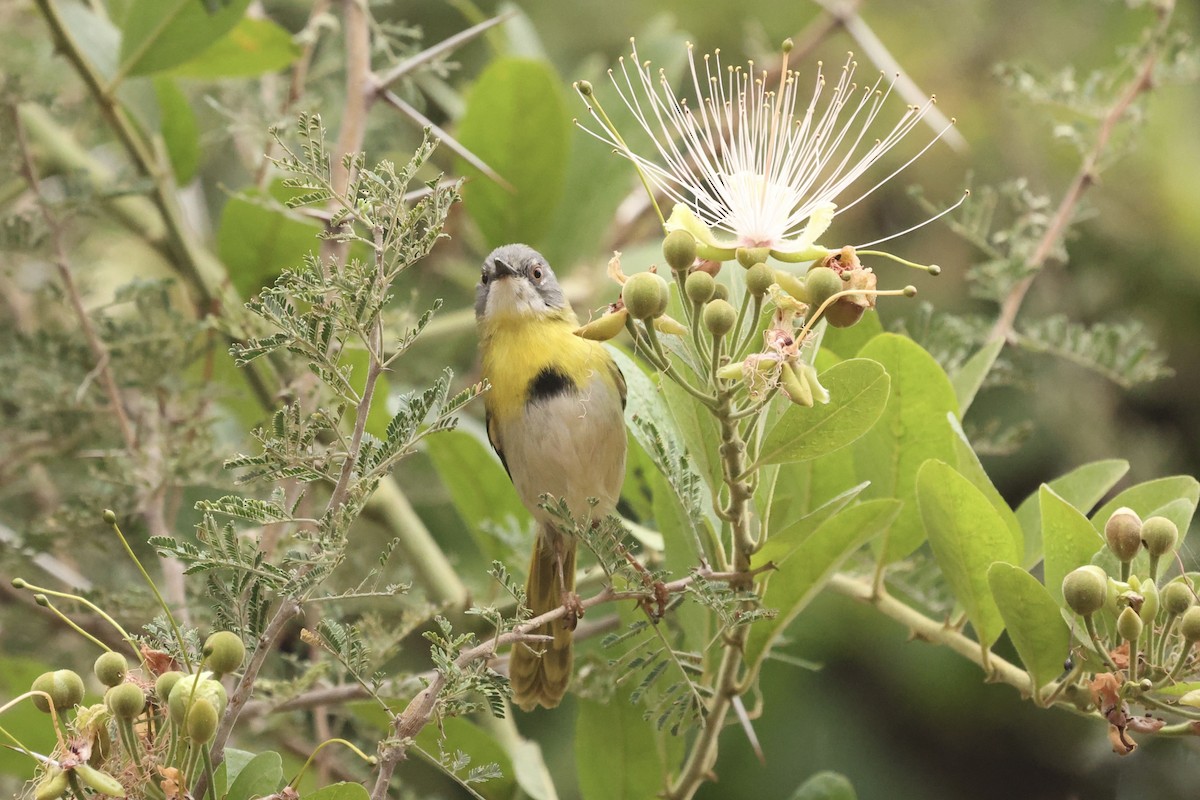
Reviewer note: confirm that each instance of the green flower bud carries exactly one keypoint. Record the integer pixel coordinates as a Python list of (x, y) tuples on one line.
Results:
[(759, 279), (749, 256), (125, 701), (187, 690), (165, 683), (792, 285), (794, 383), (64, 686), (719, 318), (1160, 535), (822, 283), (102, 782), (52, 786), (1150, 602), (223, 652), (1085, 589), (721, 292), (1189, 625), (202, 721), (1123, 532), (699, 287), (645, 295), (679, 249), (604, 328), (111, 668), (1129, 625), (669, 325), (1177, 597)]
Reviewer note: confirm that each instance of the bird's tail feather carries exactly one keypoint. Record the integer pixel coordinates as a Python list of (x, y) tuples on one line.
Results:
[(542, 679)]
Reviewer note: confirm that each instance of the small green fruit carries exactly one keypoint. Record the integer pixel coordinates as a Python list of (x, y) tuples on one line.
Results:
[(699, 287), (822, 283), (111, 668), (102, 782), (749, 256), (1129, 625), (679, 249), (1189, 625), (64, 686), (202, 721), (52, 786), (1177, 597), (759, 279), (1160, 535), (187, 690), (1123, 532), (223, 652), (1085, 589), (165, 683), (125, 701), (645, 295), (719, 318), (721, 292)]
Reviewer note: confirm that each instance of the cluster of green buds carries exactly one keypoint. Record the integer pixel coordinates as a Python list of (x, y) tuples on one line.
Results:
[(1142, 632), (163, 723)]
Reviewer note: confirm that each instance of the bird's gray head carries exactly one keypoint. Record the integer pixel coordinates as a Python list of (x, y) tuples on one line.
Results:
[(517, 281)]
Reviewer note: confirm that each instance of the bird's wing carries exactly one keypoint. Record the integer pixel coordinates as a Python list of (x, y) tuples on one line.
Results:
[(493, 435), (618, 379)]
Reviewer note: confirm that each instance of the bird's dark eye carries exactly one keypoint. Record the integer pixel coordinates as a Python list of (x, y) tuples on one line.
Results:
[(537, 273), (483, 278)]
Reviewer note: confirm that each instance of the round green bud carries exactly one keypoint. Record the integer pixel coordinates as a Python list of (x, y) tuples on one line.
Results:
[(719, 318), (202, 721), (1177, 597), (1150, 602), (1129, 625), (679, 249), (822, 283), (1123, 532), (844, 313), (125, 701), (749, 256), (1189, 625), (187, 690), (645, 295), (64, 686), (223, 652), (110, 516), (1160, 535), (721, 292), (53, 785), (165, 683), (759, 279), (19, 583), (1085, 589), (699, 287), (111, 668)]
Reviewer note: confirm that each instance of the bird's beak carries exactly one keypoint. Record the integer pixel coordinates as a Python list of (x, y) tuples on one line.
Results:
[(503, 270)]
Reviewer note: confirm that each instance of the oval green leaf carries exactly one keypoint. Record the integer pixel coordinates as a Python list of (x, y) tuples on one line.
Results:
[(1160, 496), (858, 391), (160, 34), (253, 47), (826, 786), (1033, 620), (1082, 487), (340, 791), (1069, 539), (261, 777), (629, 769)]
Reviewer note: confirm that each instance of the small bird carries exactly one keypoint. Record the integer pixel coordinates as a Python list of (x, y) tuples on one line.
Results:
[(555, 415)]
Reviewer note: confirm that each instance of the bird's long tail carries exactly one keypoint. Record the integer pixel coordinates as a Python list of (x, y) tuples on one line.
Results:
[(541, 679)]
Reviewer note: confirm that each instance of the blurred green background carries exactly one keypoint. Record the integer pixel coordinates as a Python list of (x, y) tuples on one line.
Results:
[(901, 719)]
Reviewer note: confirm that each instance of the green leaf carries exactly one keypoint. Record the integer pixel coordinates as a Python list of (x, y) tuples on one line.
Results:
[(911, 430), (806, 568), (971, 374), (968, 465), (531, 771), (32, 726), (179, 131), (235, 761), (1157, 497), (858, 389), (253, 47), (478, 743), (697, 428), (257, 240), (517, 123), (1082, 487), (481, 492), (967, 536), (1069, 539), (160, 34), (848, 342), (340, 791), (784, 540), (261, 777), (629, 769), (826, 785), (1033, 620)]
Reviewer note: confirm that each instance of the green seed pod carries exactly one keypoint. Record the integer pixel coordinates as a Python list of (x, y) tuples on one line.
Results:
[(125, 701), (1177, 597), (792, 285), (1189, 624), (759, 279), (604, 328), (183, 695), (679, 249), (64, 686), (202, 721), (223, 652), (795, 385), (165, 683), (102, 782), (111, 668), (670, 326), (719, 318), (52, 786), (1129, 625), (1123, 532), (646, 295), (699, 287), (822, 283), (1085, 589), (844, 313), (721, 292), (1160, 535), (1150, 602), (749, 256)]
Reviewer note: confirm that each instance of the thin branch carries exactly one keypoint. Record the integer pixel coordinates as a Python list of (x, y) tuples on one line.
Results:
[(382, 82)]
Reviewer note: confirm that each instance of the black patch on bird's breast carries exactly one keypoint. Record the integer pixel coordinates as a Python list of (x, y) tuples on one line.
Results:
[(550, 382)]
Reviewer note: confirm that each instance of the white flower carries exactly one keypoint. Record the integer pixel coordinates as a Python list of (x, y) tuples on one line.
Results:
[(748, 165)]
